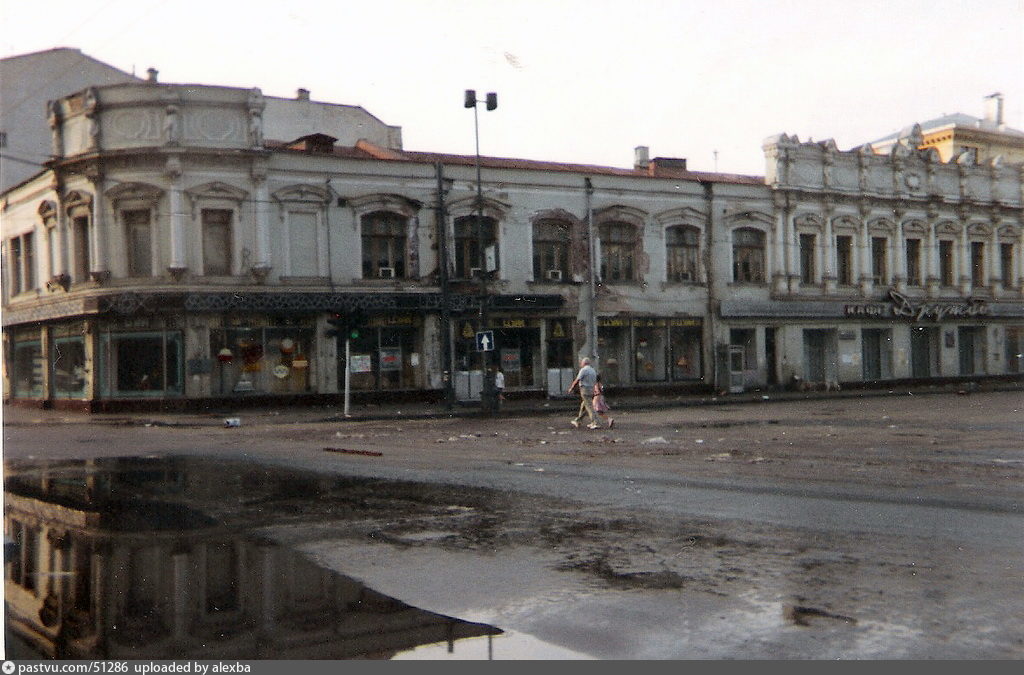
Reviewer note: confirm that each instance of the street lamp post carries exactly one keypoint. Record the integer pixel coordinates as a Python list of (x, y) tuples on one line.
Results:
[(488, 399)]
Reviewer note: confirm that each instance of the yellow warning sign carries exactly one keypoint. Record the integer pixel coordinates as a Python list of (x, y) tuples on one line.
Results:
[(467, 330)]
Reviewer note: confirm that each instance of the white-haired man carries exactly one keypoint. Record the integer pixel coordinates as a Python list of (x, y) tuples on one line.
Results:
[(585, 380)]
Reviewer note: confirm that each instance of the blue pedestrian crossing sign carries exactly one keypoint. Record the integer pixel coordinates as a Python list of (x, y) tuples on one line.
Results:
[(485, 341)]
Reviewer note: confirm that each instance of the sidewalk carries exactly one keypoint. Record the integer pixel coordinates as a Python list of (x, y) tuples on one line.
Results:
[(512, 408)]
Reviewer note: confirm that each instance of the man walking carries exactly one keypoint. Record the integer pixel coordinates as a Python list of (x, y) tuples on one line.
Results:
[(585, 380)]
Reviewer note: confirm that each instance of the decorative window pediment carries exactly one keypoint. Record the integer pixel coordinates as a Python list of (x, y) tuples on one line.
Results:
[(915, 227), (881, 226), (621, 213), (948, 227), (492, 208), (846, 223), (1010, 232), (742, 217), (385, 202), (141, 192), (979, 230), (684, 216), (47, 209), (217, 190), (78, 201), (310, 194), (809, 221)]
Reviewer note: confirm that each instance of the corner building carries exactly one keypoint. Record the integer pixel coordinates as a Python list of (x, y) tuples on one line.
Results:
[(193, 244)]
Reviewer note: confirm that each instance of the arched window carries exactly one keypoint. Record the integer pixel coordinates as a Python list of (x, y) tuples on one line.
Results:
[(748, 263), (681, 249), (468, 261), (383, 238), (618, 251), (551, 250)]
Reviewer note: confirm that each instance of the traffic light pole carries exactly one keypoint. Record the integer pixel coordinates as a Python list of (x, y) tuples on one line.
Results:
[(348, 371)]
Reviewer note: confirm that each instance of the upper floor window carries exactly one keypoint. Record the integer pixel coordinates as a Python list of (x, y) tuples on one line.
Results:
[(978, 263), (748, 261), (303, 249), (844, 260), (879, 257), (807, 255), (681, 248), (618, 252), (81, 260), (1006, 265), (947, 263), (468, 259), (216, 224), (138, 240), (383, 238), (913, 250), (551, 250), (21, 250)]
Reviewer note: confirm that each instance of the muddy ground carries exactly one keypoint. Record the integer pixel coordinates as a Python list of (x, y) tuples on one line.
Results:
[(603, 577)]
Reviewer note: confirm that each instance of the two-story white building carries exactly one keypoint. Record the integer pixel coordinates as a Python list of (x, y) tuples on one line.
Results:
[(194, 243)]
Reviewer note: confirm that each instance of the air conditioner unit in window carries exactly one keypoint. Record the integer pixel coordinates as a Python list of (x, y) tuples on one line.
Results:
[(554, 275), (386, 272), (686, 276), (474, 272)]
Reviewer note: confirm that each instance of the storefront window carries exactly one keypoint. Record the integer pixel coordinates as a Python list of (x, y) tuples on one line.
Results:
[(651, 351), (384, 357), (518, 349), (68, 367), (1015, 349), (686, 352), (613, 348), (265, 360), (141, 364), (29, 365)]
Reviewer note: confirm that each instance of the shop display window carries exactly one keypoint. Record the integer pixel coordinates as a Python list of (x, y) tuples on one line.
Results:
[(264, 360), (29, 367), (141, 364), (68, 361)]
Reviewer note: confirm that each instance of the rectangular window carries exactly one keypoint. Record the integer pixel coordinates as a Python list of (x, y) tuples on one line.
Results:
[(844, 260), (68, 367), (217, 242), (29, 365), (913, 249), (551, 251), (681, 248), (978, 263), (1014, 346), (17, 264), (879, 269), (947, 263), (302, 244), (80, 248), (618, 252), (383, 239), (748, 263), (1006, 265), (138, 239), (141, 364), (807, 273)]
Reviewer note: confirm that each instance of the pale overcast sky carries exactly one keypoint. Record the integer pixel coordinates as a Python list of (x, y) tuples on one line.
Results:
[(578, 80)]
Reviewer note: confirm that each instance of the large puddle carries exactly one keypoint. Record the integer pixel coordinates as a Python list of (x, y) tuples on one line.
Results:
[(162, 558)]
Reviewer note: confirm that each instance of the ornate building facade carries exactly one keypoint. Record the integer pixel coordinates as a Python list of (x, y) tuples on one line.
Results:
[(179, 250)]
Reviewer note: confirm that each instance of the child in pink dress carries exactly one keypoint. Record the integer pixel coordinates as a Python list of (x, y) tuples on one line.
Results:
[(601, 406)]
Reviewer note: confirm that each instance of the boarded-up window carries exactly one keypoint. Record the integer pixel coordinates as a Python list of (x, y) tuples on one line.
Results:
[(217, 242), (302, 244)]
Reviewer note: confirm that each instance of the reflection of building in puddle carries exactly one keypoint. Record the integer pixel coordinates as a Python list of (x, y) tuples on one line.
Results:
[(108, 562)]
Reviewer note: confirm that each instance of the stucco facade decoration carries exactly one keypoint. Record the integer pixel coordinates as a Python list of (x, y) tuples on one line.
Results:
[(177, 252)]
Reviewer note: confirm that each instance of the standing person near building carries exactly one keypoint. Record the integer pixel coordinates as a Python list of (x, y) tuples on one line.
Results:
[(499, 385), (586, 378), (601, 407)]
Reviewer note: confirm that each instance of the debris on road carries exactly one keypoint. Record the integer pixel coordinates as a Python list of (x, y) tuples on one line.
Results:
[(370, 453)]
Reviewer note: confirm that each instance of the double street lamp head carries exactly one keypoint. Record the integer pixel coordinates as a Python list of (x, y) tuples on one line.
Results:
[(471, 101)]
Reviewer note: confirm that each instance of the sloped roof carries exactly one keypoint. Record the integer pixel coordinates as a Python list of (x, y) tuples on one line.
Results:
[(955, 119)]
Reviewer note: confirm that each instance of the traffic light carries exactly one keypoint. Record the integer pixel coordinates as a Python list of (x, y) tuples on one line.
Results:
[(346, 325)]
